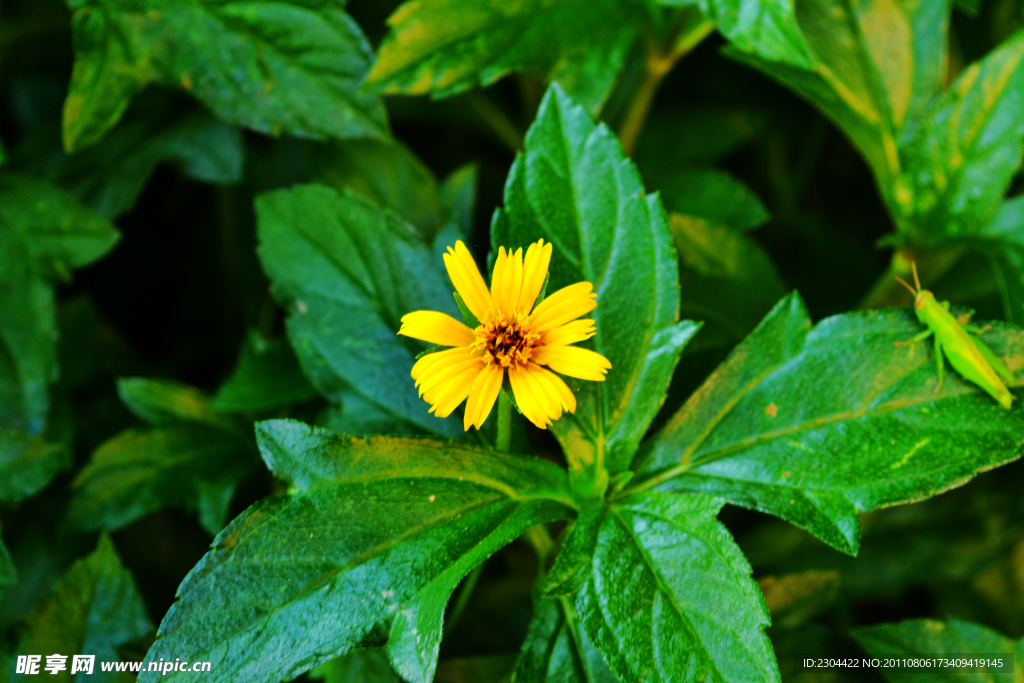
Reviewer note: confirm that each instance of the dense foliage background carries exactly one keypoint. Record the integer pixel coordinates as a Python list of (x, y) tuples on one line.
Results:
[(820, 149)]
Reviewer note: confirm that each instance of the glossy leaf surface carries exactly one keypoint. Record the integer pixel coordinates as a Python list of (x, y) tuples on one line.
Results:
[(373, 536), (768, 430), (664, 593)]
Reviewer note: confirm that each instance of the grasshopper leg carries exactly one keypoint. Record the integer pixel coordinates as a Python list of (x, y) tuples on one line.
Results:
[(977, 330), (913, 340), (938, 363)]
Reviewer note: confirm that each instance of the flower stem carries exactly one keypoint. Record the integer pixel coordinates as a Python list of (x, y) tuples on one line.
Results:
[(504, 440)]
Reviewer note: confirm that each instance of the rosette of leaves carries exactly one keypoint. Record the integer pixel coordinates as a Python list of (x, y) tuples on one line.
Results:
[(810, 423)]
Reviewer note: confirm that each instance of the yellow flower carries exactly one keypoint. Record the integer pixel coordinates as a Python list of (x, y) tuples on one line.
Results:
[(513, 336)]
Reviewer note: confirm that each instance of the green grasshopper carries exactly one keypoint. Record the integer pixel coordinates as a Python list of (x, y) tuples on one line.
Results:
[(969, 356)]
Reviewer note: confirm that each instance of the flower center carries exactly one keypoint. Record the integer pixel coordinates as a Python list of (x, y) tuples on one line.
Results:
[(504, 343)]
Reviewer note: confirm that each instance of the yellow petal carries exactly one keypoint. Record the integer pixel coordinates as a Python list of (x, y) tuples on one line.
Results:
[(446, 397), (436, 328), (466, 278), (564, 305), (547, 400), (525, 398), (513, 281), (482, 396), (569, 333), (555, 386), (424, 365), (535, 271), (439, 373), (498, 279), (573, 361)]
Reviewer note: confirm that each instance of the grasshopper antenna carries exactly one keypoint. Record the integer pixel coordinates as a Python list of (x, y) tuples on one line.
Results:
[(904, 283), (913, 267)]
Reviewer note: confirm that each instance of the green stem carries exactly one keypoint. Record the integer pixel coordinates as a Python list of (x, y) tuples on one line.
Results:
[(468, 584), (498, 121), (503, 442), (659, 62)]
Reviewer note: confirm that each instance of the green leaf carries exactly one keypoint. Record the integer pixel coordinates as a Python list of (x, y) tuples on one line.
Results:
[(359, 666), (765, 28), (676, 136), (385, 172), (574, 187), (94, 609), (164, 402), (967, 149), (27, 464), (875, 68), (713, 195), (665, 592), (793, 599), (558, 649), (458, 196), (790, 398), (373, 533), (348, 271), (725, 280), (444, 47), (44, 233), (282, 66), (267, 376), (110, 176), (918, 637), (140, 471)]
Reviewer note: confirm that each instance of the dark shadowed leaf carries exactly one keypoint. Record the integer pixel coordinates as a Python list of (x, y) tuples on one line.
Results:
[(282, 66), (817, 425), (725, 280), (574, 187), (94, 609), (267, 376), (140, 471), (348, 271), (921, 637), (676, 136), (162, 402), (712, 195), (372, 537), (44, 234), (793, 599), (192, 457), (27, 464), (443, 47), (110, 176), (664, 593), (385, 172), (557, 648)]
